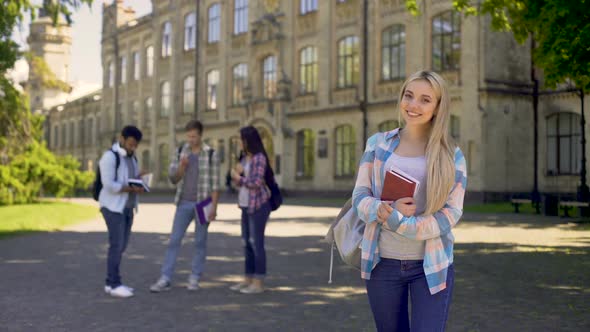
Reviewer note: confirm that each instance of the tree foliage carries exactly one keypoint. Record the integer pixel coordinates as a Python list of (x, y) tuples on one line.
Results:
[(560, 28), (27, 167)]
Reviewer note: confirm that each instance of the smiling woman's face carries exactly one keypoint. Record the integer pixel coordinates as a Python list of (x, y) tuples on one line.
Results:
[(419, 103)]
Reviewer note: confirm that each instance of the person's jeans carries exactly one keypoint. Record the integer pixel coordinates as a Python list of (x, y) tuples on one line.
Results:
[(119, 226), (391, 281), (185, 213), (253, 226)]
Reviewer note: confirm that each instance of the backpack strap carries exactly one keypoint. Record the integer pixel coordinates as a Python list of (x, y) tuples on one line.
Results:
[(117, 162)]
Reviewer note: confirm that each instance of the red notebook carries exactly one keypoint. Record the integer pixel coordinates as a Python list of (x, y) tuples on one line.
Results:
[(398, 184)]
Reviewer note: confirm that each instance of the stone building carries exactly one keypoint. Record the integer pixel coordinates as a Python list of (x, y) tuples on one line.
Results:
[(317, 78)]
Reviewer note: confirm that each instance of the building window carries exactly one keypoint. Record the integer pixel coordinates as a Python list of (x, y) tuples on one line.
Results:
[(234, 150), (147, 114), (123, 70), (81, 137), (99, 121), (455, 127), (165, 99), (446, 41), (190, 28), (111, 74), (145, 159), (305, 153), (149, 63), (563, 144), (240, 16), (348, 62), (136, 66), (72, 133), (393, 53), (214, 32), (239, 81), (134, 113), (308, 6), (55, 137), (90, 132), (345, 150), (188, 94), (167, 40), (119, 112), (269, 76), (163, 162), (212, 84), (308, 70), (388, 125), (63, 135)]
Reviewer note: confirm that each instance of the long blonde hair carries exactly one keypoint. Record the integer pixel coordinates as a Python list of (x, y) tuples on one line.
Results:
[(440, 148)]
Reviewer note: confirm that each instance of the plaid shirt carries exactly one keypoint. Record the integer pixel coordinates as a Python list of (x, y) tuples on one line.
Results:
[(208, 175), (435, 228), (258, 192)]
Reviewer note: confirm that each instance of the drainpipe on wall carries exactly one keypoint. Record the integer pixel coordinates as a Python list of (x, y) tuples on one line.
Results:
[(583, 191), (365, 67), (536, 196), (197, 50)]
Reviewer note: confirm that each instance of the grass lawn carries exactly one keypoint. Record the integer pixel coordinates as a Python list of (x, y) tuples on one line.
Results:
[(502, 207), (42, 217)]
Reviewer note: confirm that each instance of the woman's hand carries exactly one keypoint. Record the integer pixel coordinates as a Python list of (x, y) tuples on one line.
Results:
[(406, 206), (235, 176), (384, 211), (239, 168)]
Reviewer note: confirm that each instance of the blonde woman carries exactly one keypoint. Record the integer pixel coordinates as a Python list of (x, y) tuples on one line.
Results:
[(407, 250)]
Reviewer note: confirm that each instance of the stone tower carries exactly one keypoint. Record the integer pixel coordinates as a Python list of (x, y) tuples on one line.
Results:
[(53, 44)]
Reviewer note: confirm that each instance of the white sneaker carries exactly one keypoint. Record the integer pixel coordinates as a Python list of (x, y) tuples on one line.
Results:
[(239, 287), (161, 285), (108, 289), (120, 291), (193, 284), (252, 290)]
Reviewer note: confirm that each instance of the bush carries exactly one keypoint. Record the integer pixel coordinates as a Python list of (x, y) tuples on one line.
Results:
[(37, 171)]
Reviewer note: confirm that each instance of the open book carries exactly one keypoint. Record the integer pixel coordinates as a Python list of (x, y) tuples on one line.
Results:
[(138, 183), (398, 184)]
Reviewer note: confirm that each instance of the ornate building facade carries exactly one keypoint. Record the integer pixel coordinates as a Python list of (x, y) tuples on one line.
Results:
[(317, 78)]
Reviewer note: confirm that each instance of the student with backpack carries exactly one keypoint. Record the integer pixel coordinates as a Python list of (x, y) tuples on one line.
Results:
[(117, 202), (256, 198), (195, 171), (407, 246)]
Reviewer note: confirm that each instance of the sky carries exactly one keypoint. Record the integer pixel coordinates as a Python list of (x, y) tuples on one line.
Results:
[(86, 70)]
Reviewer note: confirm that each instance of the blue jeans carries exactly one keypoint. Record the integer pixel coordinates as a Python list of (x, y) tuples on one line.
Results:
[(185, 214), (119, 226), (253, 226), (391, 282)]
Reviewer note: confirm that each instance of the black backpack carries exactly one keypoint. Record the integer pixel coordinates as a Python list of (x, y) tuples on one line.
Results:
[(97, 185), (276, 198)]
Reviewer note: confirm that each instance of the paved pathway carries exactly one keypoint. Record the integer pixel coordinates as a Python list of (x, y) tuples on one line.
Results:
[(514, 273)]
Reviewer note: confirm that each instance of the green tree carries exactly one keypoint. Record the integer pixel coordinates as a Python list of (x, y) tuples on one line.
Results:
[(27, 167), (560, 28)]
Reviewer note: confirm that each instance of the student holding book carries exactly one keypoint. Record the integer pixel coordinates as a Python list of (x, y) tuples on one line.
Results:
[(195, 171), (251, 175), (407, 250)]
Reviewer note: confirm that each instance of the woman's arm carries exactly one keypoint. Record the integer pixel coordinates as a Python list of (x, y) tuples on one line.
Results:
[(255, 178), (442, 221), (363, 202)]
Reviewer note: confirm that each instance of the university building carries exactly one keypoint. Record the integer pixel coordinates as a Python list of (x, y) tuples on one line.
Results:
[(316, 78)]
